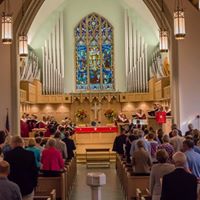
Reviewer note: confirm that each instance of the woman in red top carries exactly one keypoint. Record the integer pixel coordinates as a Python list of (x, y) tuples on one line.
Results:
[(52, 162)]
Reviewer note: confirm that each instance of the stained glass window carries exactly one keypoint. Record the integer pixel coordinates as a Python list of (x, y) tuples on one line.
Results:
[(94, 54)]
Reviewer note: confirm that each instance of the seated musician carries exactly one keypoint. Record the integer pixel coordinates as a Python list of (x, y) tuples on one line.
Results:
[(121, 118), (140, 114)]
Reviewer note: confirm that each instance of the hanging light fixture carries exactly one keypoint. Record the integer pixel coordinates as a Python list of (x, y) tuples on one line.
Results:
[(23, 40), (163, 40), (6, 19), (163, 33), (179, 20), (23, 46)]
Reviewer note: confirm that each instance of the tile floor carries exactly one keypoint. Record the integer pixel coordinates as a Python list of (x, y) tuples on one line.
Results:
[(111, 191)]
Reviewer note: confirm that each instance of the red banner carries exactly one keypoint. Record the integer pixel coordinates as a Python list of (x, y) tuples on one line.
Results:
[(161, 117)]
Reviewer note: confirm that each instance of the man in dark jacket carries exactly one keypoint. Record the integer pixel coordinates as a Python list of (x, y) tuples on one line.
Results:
[(23, 169), (179, 184), (70, 145), (120, 142)]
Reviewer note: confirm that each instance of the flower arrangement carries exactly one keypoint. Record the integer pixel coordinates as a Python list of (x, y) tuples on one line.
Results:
[(110, 114), (81, 114)]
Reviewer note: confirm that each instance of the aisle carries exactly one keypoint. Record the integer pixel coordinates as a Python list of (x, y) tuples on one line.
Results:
[(111, 191)]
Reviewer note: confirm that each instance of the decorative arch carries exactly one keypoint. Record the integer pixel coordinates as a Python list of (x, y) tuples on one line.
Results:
[(94, 54), (23, 24)]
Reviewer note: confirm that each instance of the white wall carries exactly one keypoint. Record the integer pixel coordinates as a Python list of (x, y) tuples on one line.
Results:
[(189, 69), (188, 58)]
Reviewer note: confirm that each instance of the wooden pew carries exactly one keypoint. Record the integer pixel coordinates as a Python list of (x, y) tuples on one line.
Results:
[(141, 196), (70, 175), (134, 182), (51, 196), (62, 184), (128, 181), (47, 184)]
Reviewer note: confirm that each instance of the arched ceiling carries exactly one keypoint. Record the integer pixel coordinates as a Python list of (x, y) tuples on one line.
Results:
[(137, 7)]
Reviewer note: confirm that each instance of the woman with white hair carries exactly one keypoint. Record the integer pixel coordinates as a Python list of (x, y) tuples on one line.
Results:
[(52, 162)]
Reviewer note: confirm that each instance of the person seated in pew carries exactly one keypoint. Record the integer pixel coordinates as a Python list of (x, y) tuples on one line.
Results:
[(158, 171), (8, 189), (141, 160), (70, 145), (51, 160)]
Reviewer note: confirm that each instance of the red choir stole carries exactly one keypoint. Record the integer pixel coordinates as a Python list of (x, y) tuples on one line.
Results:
[(161, 117)]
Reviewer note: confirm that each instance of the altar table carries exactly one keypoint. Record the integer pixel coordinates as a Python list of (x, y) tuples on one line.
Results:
[(100, 129)]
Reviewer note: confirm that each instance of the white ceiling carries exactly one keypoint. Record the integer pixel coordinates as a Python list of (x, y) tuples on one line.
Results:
[(49, 6)]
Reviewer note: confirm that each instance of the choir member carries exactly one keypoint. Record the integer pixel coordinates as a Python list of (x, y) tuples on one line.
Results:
[(140, 114)]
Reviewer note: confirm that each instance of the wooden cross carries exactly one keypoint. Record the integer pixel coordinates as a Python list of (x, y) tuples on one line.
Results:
[(96, 109)]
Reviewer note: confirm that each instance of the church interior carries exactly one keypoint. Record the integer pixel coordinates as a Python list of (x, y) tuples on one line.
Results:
[(97, 71)]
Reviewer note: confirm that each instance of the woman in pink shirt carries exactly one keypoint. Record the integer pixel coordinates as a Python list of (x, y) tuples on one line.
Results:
[(52, 162)]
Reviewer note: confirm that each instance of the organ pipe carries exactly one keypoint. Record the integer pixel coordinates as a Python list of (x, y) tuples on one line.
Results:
[(53, 60)]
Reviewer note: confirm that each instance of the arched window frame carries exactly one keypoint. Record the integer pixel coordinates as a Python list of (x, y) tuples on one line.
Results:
[(99, 37)]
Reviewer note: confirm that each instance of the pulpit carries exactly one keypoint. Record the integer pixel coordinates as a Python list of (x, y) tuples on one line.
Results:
[(166, 127)]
